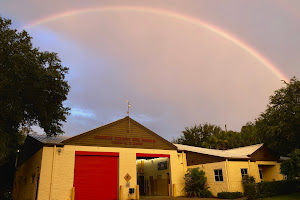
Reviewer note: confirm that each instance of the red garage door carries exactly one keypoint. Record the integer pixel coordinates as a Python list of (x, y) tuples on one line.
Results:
[(96, 175)]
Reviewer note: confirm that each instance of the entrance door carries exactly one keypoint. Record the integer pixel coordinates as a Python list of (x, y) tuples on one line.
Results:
[(141, 183), (151, 185), (96, 176)]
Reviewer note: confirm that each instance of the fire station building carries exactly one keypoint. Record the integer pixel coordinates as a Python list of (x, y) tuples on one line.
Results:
[(125, 160), (120, 160)]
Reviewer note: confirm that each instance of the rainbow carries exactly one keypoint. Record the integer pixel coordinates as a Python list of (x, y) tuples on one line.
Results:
[(173, 15)]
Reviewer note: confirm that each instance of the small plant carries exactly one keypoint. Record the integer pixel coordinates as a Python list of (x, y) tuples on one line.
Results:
[(229, 195), (250, 188), (195, 183)]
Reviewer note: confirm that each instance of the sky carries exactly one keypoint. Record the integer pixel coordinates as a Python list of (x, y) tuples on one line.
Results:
[(178, 62)]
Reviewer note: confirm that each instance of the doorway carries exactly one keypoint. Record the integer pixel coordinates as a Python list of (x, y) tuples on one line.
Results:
[(153, 175)]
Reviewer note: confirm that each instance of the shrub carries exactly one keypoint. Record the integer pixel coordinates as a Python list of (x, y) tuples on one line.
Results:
[(229, 195), (195, 183), (267, 189), (250, 189), (206, 193)]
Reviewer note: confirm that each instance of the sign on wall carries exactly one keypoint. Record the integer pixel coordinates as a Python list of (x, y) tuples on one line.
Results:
[(125, 140), (162, 165), (127, 177)]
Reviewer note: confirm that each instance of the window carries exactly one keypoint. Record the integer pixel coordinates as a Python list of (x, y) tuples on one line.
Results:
[(244, 172), (260, 174), (218, 175)]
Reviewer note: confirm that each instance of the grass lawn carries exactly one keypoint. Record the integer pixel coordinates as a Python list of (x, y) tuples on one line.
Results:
[(294, 196)]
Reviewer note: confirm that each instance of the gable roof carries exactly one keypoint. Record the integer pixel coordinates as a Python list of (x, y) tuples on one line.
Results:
[(125, 119), (212, 152), (63, 140)]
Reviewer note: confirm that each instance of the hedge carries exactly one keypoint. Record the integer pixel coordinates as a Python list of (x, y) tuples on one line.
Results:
[(229, 195), (268, 189)]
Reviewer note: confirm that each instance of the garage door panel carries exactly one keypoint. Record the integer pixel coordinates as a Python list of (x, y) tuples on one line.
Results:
[(96, 177)]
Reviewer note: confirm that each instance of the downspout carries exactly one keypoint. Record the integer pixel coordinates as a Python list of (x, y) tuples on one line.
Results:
[(52, 172), (249, 168), (227, 175)]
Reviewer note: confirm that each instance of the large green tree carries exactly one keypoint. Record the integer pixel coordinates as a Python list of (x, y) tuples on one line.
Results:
[(212, 136), (249, 135), (199, 135), (32, 90), (291, 166), (279, 125)]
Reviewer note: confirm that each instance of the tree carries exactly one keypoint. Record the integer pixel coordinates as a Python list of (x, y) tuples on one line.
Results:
[(227, 140), (32, 89), (199, 135), (211, 136), (32, 86), (291, 166), (279, 125), (249, 135)]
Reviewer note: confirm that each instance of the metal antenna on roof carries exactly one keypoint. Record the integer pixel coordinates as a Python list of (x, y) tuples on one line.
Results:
[(225, 125), (128, 114), (128, 107)]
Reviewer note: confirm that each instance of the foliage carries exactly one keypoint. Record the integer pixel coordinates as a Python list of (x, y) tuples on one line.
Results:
[(249, 135), (250, 189), (267, 189), (284, 197), (206, 194), (32, 89), (291, 167), (279, 125), (229, 195), (199, 135), (195, 183), (212, 136)]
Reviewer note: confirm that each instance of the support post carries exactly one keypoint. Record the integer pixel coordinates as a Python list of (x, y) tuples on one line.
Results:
[(120, 192), (169, 189), (73, 193), (227, 176), (137, 192), (174, 191)]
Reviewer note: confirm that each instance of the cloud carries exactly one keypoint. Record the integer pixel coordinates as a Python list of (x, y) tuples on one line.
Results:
[(77, 112), (174, 74)]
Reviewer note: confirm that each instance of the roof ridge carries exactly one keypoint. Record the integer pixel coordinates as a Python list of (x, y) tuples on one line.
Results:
[(105, 125), (48, 136), (197, 147), (246, 146), (213, 152)]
